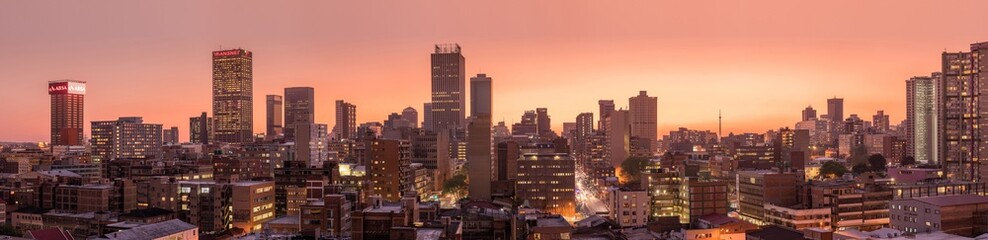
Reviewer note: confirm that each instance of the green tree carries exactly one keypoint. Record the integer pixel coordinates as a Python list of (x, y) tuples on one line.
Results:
[(877, 162), (908, 161), (860, 168), (9, 230), (832, 169), (632, 167), (455, 184)]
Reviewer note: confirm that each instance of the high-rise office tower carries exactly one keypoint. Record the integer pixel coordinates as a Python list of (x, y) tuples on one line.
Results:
[(201, 129), (618, 137), (427, 117), (584, 128), (389, 168), (346, 120), (835, 111), (606, 107), (546, 179), (411, 116), (169, 136), (125, 138), (643, 111), (527, 126), (880, 122), (922, 125), (568, 129), (809, 113), (963, 132), (233, 96), (543, 124), (299, 109), (275, 116), (448, 87), (67, 105), (481, 95), (479, 138)]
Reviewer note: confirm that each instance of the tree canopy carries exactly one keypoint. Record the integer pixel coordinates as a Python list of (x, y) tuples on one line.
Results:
[(860, 168), (632, 167), (908, 161), (832, 169), (456, 183), (877, 162)]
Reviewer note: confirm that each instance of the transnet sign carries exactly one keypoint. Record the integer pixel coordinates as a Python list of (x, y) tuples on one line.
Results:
[(66, 88), (228, 53)]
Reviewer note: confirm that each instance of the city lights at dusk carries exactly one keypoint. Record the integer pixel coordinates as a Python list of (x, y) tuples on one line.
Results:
[(500, 120)]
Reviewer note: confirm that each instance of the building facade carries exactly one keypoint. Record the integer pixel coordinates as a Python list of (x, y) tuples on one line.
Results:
[(233, 96)]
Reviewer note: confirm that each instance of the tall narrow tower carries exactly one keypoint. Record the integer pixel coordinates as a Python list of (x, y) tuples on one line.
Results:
[(66, 111), (233, 96), (448, 87)]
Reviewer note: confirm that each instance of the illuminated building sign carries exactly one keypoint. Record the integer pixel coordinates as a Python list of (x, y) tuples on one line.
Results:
[(228, 53), (66, 88)]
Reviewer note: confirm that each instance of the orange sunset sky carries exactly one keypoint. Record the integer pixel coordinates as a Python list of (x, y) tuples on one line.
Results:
[(761, 62)]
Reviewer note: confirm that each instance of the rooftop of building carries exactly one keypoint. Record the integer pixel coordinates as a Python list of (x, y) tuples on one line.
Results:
[(251, 183), (776, 233), (553, 221), (384, 208), (32, 210), (151, 231), (147, 212), (285, 220), (954, 200), (428, 233), (51, 234), (718, 219)]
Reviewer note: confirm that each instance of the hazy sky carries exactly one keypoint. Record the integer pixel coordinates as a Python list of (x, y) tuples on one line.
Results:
[(761, 62)]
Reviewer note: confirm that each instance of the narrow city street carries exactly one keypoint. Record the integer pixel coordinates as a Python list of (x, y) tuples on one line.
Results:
[(589, 201)]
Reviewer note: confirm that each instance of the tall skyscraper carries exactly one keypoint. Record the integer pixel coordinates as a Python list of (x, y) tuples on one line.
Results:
[(606, 107), (880, 122), (411, 116), (835, 111), (201, 129), (643, 111), (479, 138), (300, 108), (481, 99), (543, 124), (584, 128), (963, 132), (346, 120), (275, 116), (809, 113), (169, 136), (427, 117), (125, 138), (618, 137), (233, 96), (448, 87), (67, 105), (922, 125)]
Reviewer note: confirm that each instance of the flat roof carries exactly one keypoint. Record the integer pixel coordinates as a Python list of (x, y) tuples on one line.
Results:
[(953, 200), (250, 183)]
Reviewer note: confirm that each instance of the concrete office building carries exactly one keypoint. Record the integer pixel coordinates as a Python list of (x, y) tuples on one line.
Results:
[(67, 111), (125, 138), (233, 96)]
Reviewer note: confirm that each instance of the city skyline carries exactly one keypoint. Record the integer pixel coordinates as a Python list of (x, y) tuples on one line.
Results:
[(788, 73)]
